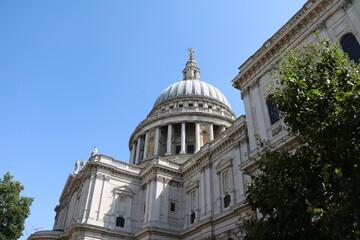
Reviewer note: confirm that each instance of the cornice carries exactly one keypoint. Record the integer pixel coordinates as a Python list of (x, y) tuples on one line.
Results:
[(294, 31), (191, 98), (74, 182), (229, 213), (285, 143), (155, 170), (146, 231), (113, 170)]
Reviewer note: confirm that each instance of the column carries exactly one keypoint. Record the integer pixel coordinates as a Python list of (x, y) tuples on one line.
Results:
[(223, 128), (211, 132), (183, 151), (197, 136), (146, 144), (132, 153), (137, 159), (169, 136), (156, 147)]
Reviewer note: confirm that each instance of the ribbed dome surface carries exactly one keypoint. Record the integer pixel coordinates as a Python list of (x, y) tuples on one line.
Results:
[(191, 88)]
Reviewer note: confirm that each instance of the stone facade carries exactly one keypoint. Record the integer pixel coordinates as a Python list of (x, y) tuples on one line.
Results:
[(190, 158)]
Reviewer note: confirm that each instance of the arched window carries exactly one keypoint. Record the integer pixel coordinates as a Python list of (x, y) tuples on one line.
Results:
[(351, 46), (273, 113), (120, 222)]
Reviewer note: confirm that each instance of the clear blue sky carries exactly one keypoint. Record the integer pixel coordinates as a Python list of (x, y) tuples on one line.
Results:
[(75, 74)]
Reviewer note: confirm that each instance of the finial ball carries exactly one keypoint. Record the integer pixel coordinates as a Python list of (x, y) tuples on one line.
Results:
[(191, 54)]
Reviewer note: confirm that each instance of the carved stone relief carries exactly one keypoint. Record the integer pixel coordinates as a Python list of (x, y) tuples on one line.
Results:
[(103, 177)]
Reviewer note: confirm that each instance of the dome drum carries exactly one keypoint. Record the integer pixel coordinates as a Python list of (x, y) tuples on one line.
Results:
[(173, 139), (191, 104), (175, 116)]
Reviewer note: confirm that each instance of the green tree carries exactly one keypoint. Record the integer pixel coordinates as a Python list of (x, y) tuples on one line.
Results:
[(14, 209), (313, 191)]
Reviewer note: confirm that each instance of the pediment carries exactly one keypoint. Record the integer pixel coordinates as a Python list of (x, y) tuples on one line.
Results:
[(191, 185), (224, 163), (124, 191), (68, 184)]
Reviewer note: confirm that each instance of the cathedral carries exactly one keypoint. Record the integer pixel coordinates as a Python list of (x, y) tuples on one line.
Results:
[(191, 157)]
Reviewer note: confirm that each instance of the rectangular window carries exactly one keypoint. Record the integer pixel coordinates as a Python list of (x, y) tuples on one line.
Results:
[(227, 200), (177, 149), (201, 105), (190, 148), (273, 113), (192, 218), (190, 104), (120, 222), (172, 207), (181, 105)]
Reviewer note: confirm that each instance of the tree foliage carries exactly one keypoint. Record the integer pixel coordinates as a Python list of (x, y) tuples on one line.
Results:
[(14, 209), (313, 191)]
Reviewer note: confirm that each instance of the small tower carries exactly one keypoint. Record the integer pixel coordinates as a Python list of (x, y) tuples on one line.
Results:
[(191, 70)]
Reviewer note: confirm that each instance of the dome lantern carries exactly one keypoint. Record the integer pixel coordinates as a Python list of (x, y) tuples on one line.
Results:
[(191, 70)]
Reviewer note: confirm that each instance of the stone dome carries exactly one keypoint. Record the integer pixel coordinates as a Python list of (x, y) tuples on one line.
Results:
[(191, 88), (186, 116)]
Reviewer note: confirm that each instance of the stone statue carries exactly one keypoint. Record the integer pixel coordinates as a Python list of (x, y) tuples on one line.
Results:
[(94, 152), (82, 164), (77, 164)]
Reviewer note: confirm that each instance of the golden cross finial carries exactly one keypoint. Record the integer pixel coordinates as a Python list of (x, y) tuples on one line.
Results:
[(191, 54)]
